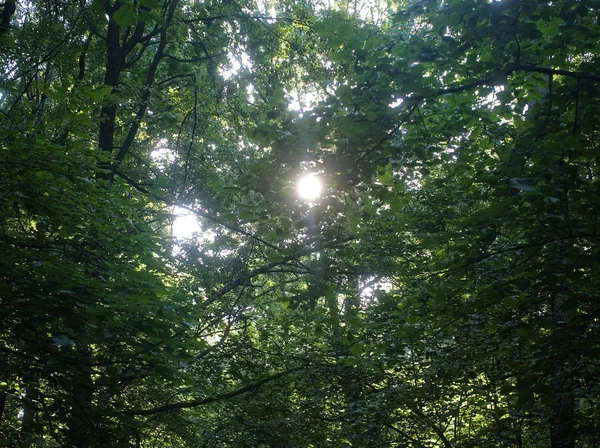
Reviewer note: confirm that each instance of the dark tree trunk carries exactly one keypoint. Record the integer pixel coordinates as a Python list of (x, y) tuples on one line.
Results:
[(81, 432), (116, 54), (562, 420), (29, 410), (114, 65), (562, 426), (2, 404), (108, 113)]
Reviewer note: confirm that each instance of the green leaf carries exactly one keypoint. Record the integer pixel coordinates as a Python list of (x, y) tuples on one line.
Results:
[(100, 93), (522, 184), (125, 16), (57, 94), (150, 4), (357, 349), (385, 178)]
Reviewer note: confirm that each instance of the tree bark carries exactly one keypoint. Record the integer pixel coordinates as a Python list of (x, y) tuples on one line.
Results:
[(2, 404), (562, 420), (562, 427), (29, 411), (116, 54), (108, 113), (81, 432)]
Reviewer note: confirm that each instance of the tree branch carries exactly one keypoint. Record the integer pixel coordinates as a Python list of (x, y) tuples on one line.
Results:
[(150, 75), (196, 403), (254, 273), (242, 17), (403, 434), (195, 211), (553, 71), (198, 59), (432, 425)]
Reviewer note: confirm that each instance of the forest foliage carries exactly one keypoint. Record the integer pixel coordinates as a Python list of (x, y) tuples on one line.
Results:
[(442, 291)]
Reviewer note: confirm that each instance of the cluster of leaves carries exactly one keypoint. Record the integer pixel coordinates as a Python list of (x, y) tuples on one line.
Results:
[(442, 292), (458, 145)]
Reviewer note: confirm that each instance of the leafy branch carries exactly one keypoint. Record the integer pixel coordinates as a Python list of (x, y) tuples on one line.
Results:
[(202, 402), (555, 71)]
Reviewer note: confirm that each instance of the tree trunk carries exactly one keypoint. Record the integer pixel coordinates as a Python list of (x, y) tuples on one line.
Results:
[(29, 410), (562, 420), (562, 425), (108, 113), (81, 432), (2, 404)]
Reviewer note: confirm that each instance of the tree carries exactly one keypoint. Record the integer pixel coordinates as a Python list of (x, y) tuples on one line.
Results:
[(470, 189), (98, 318), (442, 291), (482, 210)]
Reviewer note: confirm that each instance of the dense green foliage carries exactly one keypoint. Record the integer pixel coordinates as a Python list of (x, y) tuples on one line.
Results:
[(444, 289)]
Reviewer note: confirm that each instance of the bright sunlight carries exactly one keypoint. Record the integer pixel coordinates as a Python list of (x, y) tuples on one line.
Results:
[(309, 187), (185, 223)]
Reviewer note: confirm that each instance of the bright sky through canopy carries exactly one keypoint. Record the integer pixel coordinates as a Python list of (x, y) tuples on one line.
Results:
[(185, 223), (309, 187)]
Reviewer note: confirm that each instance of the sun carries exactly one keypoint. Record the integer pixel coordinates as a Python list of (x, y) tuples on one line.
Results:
[(185, 223), (309, 187)]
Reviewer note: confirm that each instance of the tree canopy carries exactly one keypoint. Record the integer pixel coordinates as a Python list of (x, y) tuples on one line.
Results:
[(442, 289)]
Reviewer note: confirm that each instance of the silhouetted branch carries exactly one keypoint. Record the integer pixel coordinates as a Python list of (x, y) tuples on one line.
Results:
[(196, 403)]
